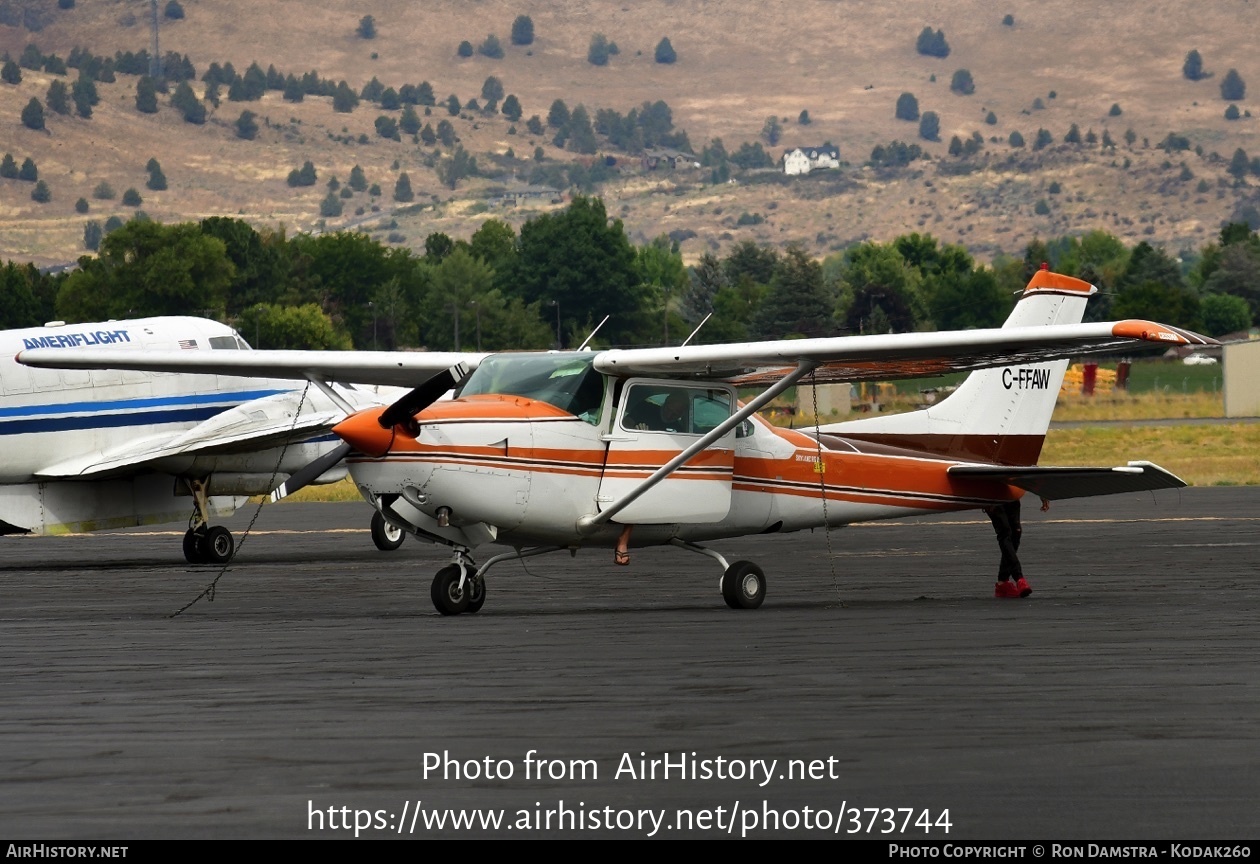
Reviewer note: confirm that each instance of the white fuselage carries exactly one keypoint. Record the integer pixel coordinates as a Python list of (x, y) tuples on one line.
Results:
[(57, 427)]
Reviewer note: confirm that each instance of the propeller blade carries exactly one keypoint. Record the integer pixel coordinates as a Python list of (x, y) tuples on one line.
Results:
[(401, 412), (422, 397), (308, 473)]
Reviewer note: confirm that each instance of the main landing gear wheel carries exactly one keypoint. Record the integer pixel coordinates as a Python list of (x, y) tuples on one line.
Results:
[(743, 585), (218, 545), (194, 541), (387, 537), (448, 597)]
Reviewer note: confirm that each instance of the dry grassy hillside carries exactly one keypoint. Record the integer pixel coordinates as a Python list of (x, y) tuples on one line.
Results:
[(843, 61)]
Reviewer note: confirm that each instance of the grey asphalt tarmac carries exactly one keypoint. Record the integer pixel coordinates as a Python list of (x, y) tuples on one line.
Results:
[(1118, 703)]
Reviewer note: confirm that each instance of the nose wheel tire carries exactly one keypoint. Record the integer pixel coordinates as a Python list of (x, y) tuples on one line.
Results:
[(743, 585), (387, 537), (448, 597)]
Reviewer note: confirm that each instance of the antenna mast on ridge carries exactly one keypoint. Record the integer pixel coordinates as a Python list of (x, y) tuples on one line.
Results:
[(155, 62)]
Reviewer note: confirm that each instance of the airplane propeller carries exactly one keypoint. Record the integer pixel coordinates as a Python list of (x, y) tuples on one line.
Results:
[(400, 415)]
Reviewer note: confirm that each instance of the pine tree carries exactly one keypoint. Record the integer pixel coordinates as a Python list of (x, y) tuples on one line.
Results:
[(930, 126), (1233, 88), (41, 194), (92, 235), (402, 189), (366, 28), (344, 99), (665, 51), (28, 171), (932, 43), (465, 49), (409, 122), (558, 116), (186, 101), (8, 167), (522, 30), (491, 48), (11, 73), (492, 92), (358, 180), (962, 83), (293, 90), (907, 107), (157, 180), (33, 114), (146, 96), (58, 97), (131, 198), (598, 53), (331, 206), (247, 126), (1192, 69), (512, 108)]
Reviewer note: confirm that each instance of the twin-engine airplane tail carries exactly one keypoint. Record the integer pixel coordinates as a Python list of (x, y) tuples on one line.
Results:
[(998, 417)]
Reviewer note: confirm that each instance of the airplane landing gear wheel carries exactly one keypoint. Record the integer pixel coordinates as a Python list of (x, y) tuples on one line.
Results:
[(387, 537), (743, 585), (218, 545), (476, 594), (194, 546), (448, 597)]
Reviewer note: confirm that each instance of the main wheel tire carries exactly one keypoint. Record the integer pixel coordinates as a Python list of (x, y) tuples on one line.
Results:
[(193, 547), (218, 545), (743, 585), (386, 536), (448, 597), (476, 594)]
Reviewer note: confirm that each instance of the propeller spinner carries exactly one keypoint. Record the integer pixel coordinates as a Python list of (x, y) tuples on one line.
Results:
[(373, 431)]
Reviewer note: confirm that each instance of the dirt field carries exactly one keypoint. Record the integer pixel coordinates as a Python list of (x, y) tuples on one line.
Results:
[(843, 62)]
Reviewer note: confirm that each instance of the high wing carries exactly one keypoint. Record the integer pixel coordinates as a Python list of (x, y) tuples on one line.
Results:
[(900, 355), (837, 359), (389, 368), (1056, 483)]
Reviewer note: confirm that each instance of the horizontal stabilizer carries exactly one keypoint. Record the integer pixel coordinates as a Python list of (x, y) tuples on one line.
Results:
[(1054, 483)]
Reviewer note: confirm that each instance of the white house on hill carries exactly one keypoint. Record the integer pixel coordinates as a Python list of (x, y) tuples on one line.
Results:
[(802, 160)]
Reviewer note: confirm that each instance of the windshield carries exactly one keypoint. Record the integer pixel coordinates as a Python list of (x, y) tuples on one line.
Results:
[(567, 381)]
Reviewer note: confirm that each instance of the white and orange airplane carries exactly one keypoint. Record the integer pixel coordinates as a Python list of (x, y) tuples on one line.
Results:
[(614, 449)]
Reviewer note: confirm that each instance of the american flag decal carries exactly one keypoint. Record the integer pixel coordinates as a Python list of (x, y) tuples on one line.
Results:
[(188, 343)]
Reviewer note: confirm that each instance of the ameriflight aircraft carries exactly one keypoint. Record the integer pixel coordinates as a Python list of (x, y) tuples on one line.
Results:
[(628, 448), (85, 451)]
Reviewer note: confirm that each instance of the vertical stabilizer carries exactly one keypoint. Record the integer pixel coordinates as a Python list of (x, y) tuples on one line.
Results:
[(996, 415)]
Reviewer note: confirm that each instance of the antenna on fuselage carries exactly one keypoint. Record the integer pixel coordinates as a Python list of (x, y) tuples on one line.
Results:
[(697, 330), (593, 332)]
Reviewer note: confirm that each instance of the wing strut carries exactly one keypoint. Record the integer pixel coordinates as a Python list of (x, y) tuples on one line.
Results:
[(587, 524)]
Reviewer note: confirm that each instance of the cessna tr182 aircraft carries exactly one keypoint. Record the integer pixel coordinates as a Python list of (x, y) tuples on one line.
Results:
[(85, 451), (628, 448)]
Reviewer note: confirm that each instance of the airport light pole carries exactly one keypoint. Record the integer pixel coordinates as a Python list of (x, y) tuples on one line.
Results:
[(556, 303)]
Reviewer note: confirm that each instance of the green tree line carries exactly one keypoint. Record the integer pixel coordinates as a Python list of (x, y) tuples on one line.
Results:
[(555, 280)]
